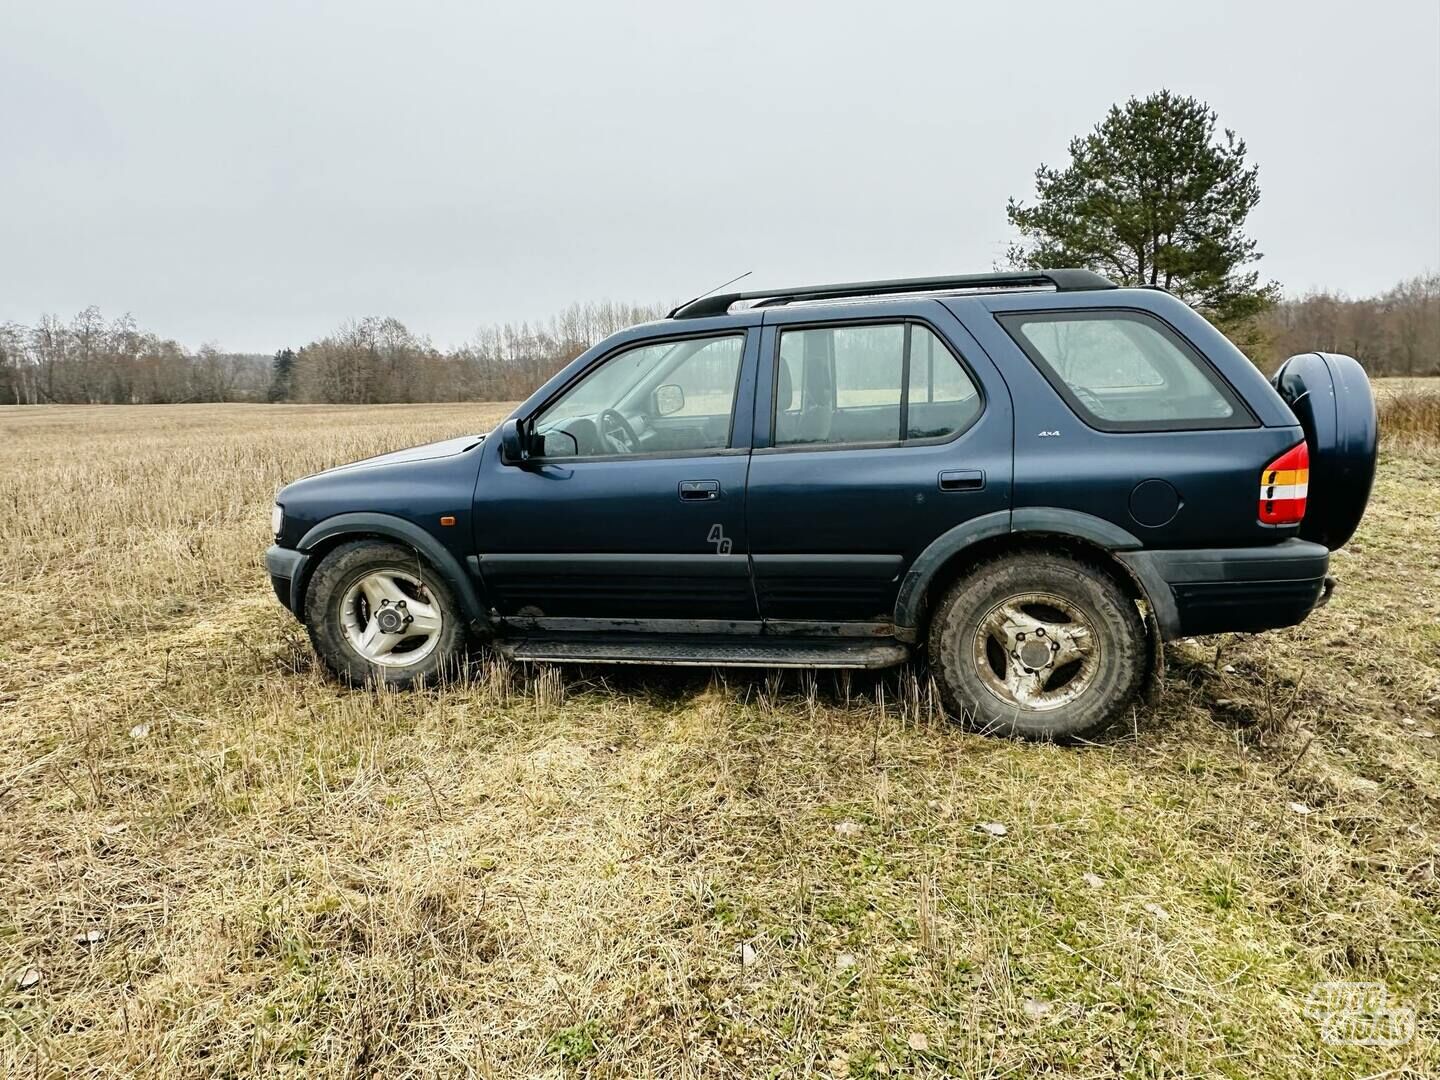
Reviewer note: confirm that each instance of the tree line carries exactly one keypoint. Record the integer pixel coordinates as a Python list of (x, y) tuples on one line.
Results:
[(89, 360), (1395, 333)]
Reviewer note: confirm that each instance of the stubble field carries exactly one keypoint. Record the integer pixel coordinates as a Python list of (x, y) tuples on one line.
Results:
[(214, 862)]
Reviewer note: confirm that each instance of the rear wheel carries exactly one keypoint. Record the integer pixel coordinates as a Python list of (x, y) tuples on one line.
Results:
[(377, 612), (1040, 646)]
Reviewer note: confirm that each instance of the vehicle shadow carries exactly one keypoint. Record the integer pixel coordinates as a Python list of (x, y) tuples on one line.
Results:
[(905, 692)]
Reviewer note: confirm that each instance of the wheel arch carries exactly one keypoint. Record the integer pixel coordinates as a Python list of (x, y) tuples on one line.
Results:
[(329, 534), (955, 552)]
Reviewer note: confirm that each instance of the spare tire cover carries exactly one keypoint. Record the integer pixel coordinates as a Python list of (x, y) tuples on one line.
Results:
[(1331, 397)]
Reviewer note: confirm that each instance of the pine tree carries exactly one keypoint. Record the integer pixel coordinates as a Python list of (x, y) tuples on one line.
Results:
[(1153, 197), (282, 371)]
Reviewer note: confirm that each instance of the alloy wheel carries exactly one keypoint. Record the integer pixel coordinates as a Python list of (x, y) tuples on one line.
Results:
[(390, 618), (1036, 651)]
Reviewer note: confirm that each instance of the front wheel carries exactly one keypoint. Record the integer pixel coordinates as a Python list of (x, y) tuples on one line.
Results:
[(377, 612), (1040, 646)]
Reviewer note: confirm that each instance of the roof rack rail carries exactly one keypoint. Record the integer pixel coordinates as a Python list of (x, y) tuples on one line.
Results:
[(1060, 280)]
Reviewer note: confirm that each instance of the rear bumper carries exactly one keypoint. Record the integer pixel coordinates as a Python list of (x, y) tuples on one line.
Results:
[(287, 568), (1223, 590)]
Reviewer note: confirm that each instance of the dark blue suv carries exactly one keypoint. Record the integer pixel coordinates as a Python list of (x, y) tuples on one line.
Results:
[(1035, 477)]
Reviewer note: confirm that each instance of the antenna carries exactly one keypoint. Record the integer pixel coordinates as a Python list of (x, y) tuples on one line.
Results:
[(707, 292)]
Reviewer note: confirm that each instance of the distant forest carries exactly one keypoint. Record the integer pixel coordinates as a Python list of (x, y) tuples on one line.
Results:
[(88, 360)]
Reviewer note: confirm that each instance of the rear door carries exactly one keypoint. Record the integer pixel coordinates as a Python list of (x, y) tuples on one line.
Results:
[(878, 426)]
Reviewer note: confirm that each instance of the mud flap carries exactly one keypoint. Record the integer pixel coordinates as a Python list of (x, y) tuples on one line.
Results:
[(1155, 678)]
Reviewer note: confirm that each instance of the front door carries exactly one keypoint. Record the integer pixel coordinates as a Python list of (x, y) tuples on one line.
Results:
[(874, 435), (634, 507)]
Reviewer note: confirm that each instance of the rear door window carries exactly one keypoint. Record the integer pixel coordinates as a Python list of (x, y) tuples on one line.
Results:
[(875, 383), (1126, 371), (942, 399)]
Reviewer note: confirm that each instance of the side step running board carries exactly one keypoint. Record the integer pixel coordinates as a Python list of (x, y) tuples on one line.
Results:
[(707, 652)]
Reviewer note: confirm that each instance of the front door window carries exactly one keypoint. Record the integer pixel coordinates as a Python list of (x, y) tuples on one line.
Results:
[(670, 397)]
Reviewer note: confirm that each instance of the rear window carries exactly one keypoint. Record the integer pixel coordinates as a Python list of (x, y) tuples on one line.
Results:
[(1125, 371)]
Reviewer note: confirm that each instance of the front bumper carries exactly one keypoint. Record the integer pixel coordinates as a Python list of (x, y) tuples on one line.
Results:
[(288, 569), (1232, 590)]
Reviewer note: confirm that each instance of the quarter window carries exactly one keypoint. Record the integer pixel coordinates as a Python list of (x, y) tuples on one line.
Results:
[(1122, 370), (876, 383)]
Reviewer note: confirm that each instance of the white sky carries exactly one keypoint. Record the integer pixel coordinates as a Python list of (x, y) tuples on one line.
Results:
[(253, 173)]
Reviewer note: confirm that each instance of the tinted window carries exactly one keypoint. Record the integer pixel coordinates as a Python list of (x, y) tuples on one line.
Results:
[(1124, 370), (706, 379), (840, 384), (670, 396), (847, 385), (942, 398)]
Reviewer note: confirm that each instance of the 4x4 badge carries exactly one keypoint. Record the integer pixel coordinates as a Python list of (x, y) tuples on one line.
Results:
[(719, 539), (1049, 434)]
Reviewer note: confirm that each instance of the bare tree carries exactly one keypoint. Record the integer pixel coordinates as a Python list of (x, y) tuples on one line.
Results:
[(1397, 333), (378, 359)]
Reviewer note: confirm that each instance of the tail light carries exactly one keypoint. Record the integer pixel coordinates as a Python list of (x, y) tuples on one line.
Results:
[(1283, 487)]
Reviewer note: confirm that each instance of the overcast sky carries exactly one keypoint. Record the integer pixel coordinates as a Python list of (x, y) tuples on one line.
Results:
[(253, 173)]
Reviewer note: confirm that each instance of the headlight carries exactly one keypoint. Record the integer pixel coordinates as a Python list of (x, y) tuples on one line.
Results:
[(277, 519)]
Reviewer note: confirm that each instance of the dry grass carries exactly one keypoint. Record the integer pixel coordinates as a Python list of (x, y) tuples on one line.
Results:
[(1397, 385), (1412, 418), (535, 873)]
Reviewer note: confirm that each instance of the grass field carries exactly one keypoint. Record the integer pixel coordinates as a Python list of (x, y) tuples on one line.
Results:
[(1401, 384), (213, 862)]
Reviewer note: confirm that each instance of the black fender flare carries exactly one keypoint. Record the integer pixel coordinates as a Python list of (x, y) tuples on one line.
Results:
[(1037, 520), (910, 601), (371, 523)]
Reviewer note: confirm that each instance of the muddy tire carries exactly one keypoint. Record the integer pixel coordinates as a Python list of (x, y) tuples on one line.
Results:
[(1037, 646), (379, 613)]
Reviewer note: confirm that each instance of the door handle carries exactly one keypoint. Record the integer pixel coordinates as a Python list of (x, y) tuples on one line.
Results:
[(699, 490), (962, 480)]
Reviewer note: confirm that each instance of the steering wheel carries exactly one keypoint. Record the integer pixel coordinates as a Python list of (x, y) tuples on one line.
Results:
[(616, 431)]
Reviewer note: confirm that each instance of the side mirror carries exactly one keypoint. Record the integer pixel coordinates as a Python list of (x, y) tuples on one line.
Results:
[(669, 399), (514, 445)]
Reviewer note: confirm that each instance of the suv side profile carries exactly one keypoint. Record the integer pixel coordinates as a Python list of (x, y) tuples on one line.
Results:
[(1035, 478)]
